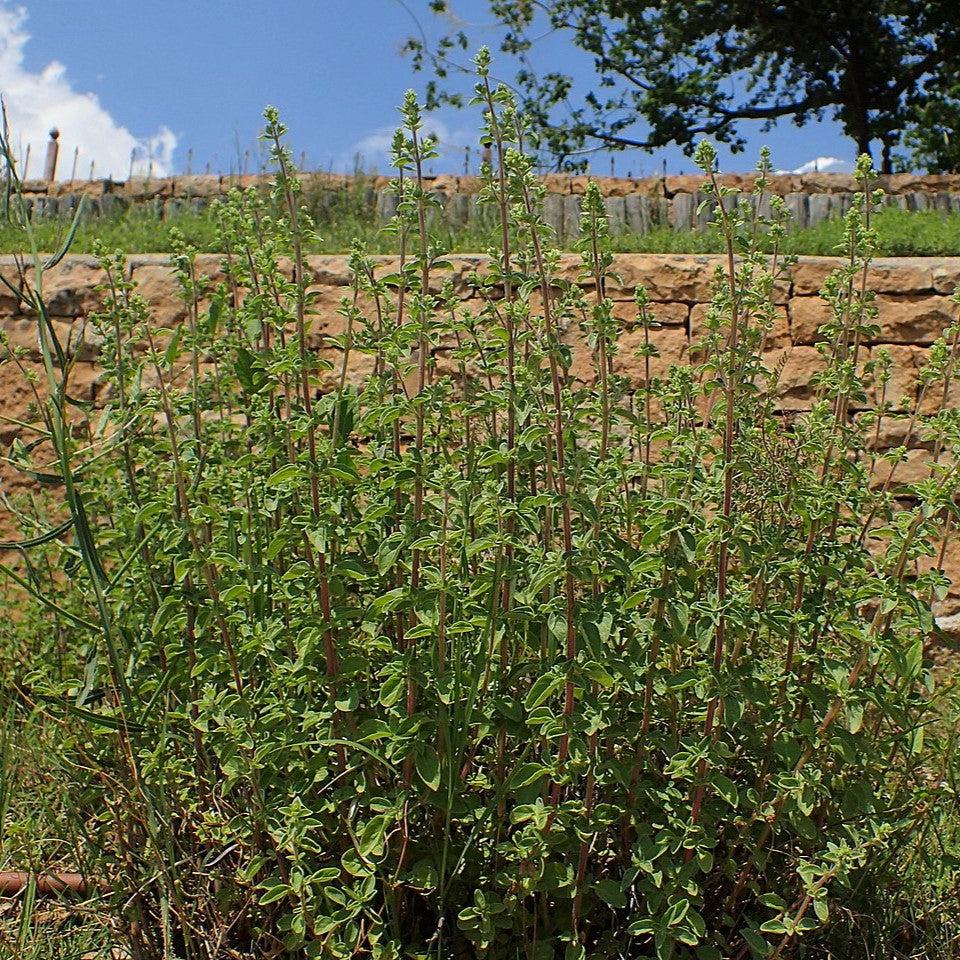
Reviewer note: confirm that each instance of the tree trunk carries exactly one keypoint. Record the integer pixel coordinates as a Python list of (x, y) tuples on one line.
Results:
[(886, 159)]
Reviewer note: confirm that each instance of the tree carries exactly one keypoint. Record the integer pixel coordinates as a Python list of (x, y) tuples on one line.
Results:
[(935, 138), (678, 70)]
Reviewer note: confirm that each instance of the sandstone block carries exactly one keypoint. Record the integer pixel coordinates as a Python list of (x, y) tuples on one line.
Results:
[(85, 382), (807, 315), (144, 188), (813, 183), (327, 269), (670, 313), (798, 367), (324, 319), (950, 605), (556, 183), (667, 277), (146, 260), (158, 286), (9, 301), (70, 287), (886, 275), (462, 268), (359, 369), (914, 469), (622, 186), (894, 431), (19, 401), (901, 391), (907, 319), (778, 336), (946, 274), (914, 318), (673, 349), (23, 335), (204, 185), (210, 265), (683, 183)]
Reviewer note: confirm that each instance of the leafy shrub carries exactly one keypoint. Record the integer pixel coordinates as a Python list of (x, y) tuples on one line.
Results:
[(483, 658)]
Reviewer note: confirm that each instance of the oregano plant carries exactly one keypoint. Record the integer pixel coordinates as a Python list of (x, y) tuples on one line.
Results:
[(490, 650)]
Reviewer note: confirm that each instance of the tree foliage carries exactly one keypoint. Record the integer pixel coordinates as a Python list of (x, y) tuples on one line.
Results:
[(673, 71)]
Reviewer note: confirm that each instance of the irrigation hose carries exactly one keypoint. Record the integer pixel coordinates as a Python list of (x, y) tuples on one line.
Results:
[(13, 881)]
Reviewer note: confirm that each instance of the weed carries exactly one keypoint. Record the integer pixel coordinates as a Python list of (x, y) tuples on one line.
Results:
[(489, 652)]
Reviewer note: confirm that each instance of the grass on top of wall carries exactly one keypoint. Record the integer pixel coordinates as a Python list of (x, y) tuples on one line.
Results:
[(900, 233)]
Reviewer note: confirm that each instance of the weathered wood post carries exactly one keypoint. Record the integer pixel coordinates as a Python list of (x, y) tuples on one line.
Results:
[(53, 152)]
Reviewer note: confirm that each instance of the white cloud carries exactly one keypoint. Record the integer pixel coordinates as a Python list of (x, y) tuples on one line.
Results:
[(39, 102), (374, 149), (822, 165)]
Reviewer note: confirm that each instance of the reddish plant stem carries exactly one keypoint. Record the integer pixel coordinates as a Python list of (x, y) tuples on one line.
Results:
[(714, 706), (561, 486), (411, 703)]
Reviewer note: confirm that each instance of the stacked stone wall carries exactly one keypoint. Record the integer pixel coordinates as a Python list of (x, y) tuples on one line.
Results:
[(913, 298), (634, 205)]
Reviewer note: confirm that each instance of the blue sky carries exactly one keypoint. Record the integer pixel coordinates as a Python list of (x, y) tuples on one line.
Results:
[(166, 79)]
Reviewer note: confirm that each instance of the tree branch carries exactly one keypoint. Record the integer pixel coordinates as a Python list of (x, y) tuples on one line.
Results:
[(727, 117)]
